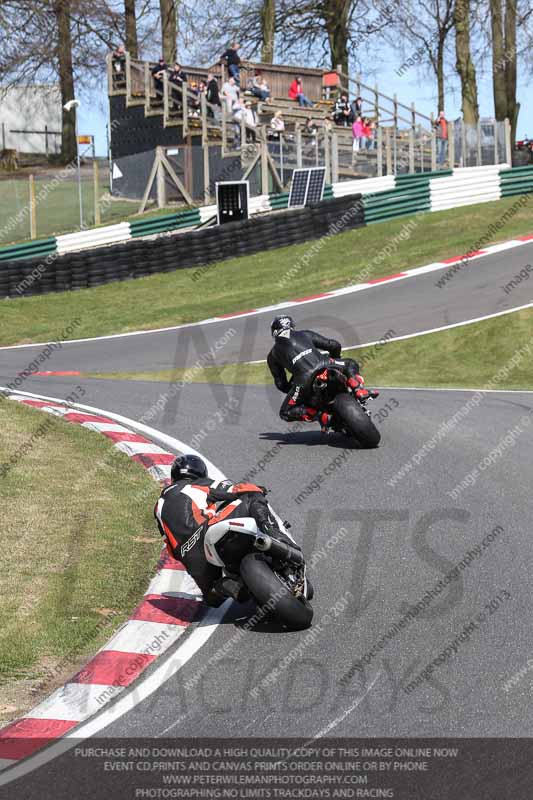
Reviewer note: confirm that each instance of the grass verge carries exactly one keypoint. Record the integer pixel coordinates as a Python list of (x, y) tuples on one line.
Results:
[(261, 279), (74, 563), (467, 357)]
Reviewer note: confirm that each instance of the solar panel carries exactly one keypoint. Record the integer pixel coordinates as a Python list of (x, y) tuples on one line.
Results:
[(298, 193), (315, 189), (307, 186)]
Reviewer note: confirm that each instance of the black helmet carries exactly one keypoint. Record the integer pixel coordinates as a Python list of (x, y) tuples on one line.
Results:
[(188, 467), (281, 323)]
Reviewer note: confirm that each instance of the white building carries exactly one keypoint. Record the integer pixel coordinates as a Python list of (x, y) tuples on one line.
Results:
[(30, 118)]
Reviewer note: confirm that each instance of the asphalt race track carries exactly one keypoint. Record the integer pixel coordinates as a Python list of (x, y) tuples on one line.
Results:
[(407, 306), (392, 541)]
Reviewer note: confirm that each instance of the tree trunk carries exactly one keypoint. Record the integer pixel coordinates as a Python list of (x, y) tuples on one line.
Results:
[(69, 146), (498, 60), (131, 28), (268, 30), (336, 18), (440, 74), (464, 64), (510, 66), (169, 29)]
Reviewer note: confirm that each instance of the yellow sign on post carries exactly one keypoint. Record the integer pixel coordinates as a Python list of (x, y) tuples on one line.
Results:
[(85, 139)]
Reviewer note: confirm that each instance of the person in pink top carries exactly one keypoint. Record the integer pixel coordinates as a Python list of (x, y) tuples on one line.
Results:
[(357, 133)]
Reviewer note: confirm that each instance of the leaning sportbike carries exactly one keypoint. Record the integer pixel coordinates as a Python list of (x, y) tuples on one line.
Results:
[(347, 406), (273, 571)]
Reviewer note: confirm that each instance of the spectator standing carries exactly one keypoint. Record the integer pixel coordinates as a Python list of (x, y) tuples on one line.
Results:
[(296, 92), (366, 134), (341, 111), (356, 107), (357, 133), (212, 96), (157, 72), (178, 76), (233, 62), (118, 58), (250, 118), (230, 94), (277, 125), (441, 125), (372, 137), (238, 114)]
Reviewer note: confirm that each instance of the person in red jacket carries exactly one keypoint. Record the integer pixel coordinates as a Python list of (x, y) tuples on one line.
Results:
[(296, 92)]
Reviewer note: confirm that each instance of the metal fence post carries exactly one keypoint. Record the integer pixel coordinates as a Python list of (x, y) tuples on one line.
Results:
[(508, 148), (451, 144), (97, 218), (264, 164), (380, 150), (411, 150), (388, 150), (205, 149), (33, 209), (298, 146), (478, 142), (327, 159), (334, 158), (464, 158), (433, 144)]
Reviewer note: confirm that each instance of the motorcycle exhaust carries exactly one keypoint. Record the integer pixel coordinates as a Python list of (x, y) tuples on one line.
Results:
[(277, 549)]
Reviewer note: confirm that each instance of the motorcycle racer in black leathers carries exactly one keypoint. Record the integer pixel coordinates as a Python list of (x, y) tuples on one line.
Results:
[(190, 504), (299, 354)]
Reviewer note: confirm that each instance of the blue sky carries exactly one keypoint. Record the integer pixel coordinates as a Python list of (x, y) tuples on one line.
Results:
[(410, 87)]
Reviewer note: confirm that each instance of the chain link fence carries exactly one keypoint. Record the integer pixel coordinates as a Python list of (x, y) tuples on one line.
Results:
[(57, 203)]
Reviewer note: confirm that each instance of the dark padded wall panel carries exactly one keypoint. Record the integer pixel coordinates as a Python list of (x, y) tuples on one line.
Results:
[(132, 132), (193, 249)]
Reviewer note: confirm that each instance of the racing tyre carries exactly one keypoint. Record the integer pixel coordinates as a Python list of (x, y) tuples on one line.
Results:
[(266, 586), (356, 421)]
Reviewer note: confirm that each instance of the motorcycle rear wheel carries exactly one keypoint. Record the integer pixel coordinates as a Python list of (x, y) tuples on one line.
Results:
[(267, 588), (356, 421)]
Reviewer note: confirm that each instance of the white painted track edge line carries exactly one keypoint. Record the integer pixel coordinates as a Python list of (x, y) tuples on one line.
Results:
[(423, 333), (410, 273)]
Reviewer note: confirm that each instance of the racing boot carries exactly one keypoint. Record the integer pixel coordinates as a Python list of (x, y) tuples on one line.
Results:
[(325, 422)]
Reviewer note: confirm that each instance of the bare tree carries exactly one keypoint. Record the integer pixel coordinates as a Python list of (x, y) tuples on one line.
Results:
[(504, 60), (464, 63), (268, 30), (169, 29), (130, 24), (426, 28), (69, 146)]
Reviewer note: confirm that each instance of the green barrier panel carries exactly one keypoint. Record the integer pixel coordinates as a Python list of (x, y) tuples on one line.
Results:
[(511, 190), (378, 203), (29, 249), (399, 213), (509, 172), (398, 208)]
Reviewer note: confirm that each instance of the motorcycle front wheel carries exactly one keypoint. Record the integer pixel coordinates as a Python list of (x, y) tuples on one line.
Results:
[(271, 593)]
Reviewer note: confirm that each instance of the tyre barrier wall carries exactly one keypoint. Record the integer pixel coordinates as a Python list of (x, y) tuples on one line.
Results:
[(198, 248), (384, 198)]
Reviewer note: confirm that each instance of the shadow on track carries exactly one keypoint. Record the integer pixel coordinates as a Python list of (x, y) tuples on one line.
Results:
[(311, 439)]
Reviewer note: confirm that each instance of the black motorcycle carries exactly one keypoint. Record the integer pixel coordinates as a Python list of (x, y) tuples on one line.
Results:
[(350, 416)]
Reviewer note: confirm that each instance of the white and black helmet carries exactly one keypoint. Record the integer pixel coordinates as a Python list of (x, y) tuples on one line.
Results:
[(281, 323)]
